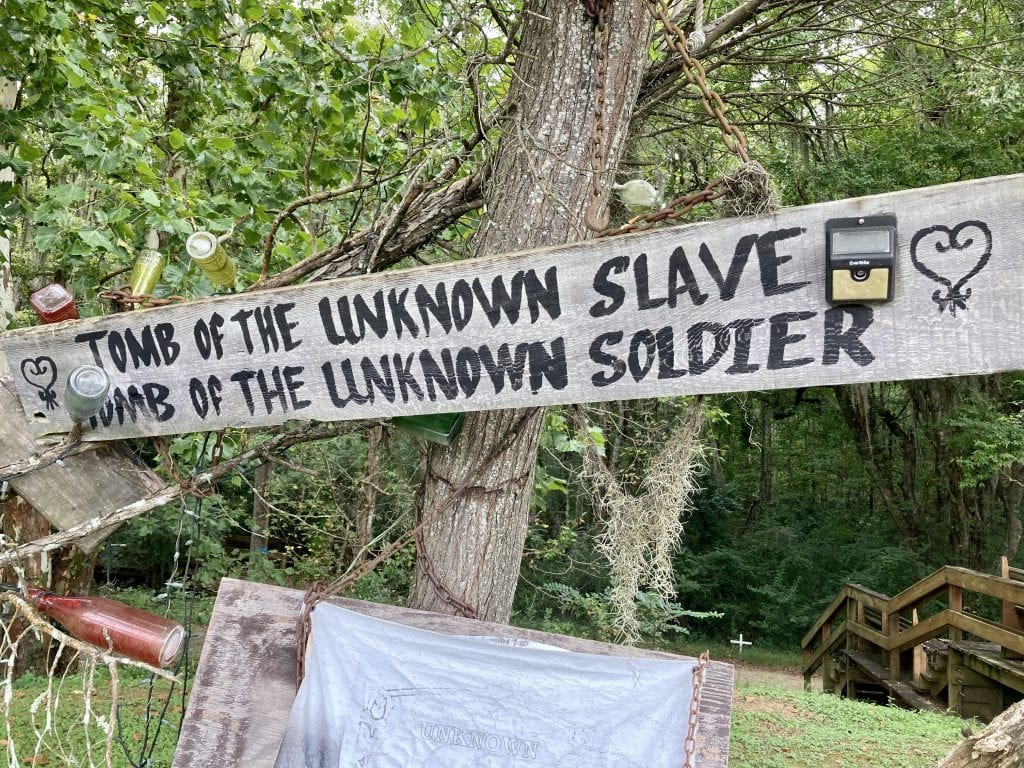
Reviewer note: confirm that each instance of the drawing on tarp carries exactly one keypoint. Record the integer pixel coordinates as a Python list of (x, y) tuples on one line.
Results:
[(383, 695)]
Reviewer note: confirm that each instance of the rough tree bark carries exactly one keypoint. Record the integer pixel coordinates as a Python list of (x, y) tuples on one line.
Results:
[(537, 195), (1000, 745)]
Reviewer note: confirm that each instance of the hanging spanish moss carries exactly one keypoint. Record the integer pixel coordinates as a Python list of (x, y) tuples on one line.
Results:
[(640, 531)]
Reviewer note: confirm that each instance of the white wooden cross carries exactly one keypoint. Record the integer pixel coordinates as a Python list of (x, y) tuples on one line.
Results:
[(741, 642)]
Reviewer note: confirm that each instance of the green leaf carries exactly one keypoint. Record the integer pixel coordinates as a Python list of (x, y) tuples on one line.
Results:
[(96, 239), (156, 13), (223, 143), (150, 198), (176, 139)]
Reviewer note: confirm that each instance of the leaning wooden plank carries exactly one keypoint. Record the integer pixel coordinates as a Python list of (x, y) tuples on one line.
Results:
[(88, 485), (718, 306), (245, 683)]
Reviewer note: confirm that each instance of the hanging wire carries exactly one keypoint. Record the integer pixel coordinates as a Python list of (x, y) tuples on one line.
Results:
[(182, 668)]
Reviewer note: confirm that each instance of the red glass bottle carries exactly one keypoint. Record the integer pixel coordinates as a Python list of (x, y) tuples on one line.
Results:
[(132, 632), (53, 304)]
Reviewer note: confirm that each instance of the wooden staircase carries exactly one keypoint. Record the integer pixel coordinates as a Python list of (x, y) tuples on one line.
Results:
[(922, 649)]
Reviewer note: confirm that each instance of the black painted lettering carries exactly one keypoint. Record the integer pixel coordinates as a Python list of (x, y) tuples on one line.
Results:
[(544, 294), (682, 280), (505, 366), (241, 318), (242, 378), (400, 317), (500, 299), (169, 348), (378, 379), (434, 375), (214, 387), (780, 338), (695, 336), (265, 328), (209, 338), (613, 291), (462, 304), (770, 261), (117, 351), (91, 338), (285, 328), (200, 400), (407, 382), (435, 306), (273, 390), (848, 341), (156, 401), (643, 285), (641, 362), (666, 342), (548, 366), (743, 332), (607, 359), (727, 286), (467, 370), (142, 350)]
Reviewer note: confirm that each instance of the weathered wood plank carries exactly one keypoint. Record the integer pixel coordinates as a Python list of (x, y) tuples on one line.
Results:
[(90, 484), (712, 307), (245, 683)]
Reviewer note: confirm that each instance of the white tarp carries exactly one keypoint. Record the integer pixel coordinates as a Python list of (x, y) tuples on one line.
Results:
[(383, 695)]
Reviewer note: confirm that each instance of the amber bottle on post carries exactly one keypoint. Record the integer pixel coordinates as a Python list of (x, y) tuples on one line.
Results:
[(107, 623)]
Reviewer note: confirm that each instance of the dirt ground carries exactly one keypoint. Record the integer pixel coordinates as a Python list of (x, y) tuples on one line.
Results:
[(787, 678)]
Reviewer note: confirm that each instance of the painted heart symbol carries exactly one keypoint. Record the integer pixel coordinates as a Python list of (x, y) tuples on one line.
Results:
[(940, 249), (41, 373)]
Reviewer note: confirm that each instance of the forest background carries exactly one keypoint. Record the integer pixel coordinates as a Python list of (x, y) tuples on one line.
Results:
[(331, 138)]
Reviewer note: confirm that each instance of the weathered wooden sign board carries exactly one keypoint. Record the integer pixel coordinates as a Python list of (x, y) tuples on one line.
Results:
[(713, 307), (83, 486), (245, 683)]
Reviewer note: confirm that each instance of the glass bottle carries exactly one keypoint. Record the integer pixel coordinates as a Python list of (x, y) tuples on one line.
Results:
[(53, 304), (146, 272), (107, 623), (209, 254)]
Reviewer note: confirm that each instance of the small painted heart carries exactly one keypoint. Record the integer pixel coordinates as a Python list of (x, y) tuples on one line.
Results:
[(961, 250), (40, 372)]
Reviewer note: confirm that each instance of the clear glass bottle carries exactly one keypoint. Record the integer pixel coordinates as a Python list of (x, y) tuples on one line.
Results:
[(107, 623)]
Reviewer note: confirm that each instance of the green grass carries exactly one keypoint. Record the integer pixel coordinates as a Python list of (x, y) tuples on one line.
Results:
[(754, 656), (775, 727)]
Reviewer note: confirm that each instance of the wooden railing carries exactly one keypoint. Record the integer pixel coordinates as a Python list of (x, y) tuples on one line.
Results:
[(863, 619)]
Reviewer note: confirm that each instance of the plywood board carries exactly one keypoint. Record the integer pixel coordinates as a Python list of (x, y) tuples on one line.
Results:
[(245, 683), (83, 486), (728, 305)]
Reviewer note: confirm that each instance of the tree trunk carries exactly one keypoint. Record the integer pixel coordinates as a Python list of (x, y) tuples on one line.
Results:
[(366, 512), (538, 195), (260, 515), (8, 298), (1000, 745)]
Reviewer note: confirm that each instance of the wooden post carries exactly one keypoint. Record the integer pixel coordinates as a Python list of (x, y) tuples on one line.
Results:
[(920, 663), (894, 663), (826, 664), (1010, 616), (956, 605)]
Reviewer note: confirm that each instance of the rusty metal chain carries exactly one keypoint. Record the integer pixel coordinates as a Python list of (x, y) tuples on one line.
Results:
[(694, 73), (598, 12), (124, 297), (674, 209), (439, 587), (690, 745)]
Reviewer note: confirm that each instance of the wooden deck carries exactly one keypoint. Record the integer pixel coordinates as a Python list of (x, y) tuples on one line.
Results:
[(245, 684)]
